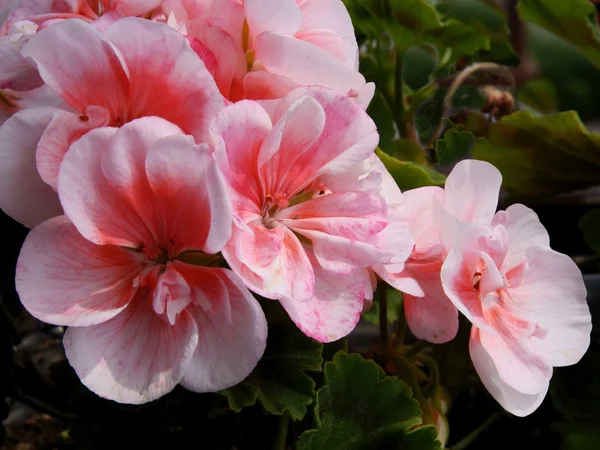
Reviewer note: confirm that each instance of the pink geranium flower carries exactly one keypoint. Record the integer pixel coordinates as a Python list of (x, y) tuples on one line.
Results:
[(145, 208), (527, 302), (305, 233), (262, 49), (135, 68)]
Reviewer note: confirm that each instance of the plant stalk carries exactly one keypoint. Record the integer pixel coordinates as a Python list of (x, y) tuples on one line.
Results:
[(464, 443), (383, 325), (284, 424)]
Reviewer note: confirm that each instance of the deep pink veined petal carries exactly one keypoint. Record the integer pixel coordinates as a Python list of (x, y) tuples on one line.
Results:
[(551, 293), (513, 401), (64, 129), (305, 63), (516, 363), (293, 135), (136, 7), (524, 230), (335, 309), (348, 138), (457, 277), (191, 195), (23, 194), (135, 357), (471, 191), (232, 329), (330, 15), (80, 65), (166, 76), (123, 165), (353, 215), (98, 211), (279, 16), (64, 279), (238, 133), (262, 85), (432, 317)]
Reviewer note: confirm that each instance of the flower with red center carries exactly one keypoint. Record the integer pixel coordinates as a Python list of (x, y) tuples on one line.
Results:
[(306, 228), (135, 68), (130, 267)]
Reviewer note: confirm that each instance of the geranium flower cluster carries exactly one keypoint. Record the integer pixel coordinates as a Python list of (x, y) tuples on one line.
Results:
[(146, 141)]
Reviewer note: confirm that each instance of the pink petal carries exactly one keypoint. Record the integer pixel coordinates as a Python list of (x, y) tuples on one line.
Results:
[(279, 16), (284, 147), (335, 309), (352, 215), (232, 330), (348, 138), (23, 194), (471, 191), (75, 60), (64, 129), (135, 357), (238, 133), (190, 193), (432, 317), (330, 15), (16, 72), (167, 78), (419, 211), (551, 294), (124, 167), (457, 275), (524, 230), (513, 401), (262, 85), (99, 212), (137, 7), (304, 63), (64, 279)]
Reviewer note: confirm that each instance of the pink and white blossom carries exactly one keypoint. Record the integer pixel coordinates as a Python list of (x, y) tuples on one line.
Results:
[(262, 49), (135, 68), (304, 233), (145, 207), (526, 301)]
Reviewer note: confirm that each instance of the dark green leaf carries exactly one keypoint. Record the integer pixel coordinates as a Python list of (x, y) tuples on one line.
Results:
[(539, 95), (418, 66), (456, 144), (490, 22), (359, 408), (589, 225), (409, 175), (573, 20), (540, 156), (407, 150), (429, 114), (279, 381)]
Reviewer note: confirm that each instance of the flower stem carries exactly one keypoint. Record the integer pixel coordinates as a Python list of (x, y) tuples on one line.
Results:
[(39, 405), (284, 423), (464, 443), (415, 349), (400, 328), (383, 325)]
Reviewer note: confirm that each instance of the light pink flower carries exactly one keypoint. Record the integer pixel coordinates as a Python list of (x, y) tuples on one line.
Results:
[(262, 49), (145, 207), (136, 68), (301, 235), (527, 302)]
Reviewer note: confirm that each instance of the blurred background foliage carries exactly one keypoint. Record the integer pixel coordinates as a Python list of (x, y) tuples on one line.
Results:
[(512, 82)]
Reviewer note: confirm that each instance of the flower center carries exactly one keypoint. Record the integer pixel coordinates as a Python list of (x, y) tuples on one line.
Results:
[(160, 255)]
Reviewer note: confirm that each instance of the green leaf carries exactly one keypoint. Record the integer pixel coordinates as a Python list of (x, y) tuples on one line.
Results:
[(418, 66), (489, 21), (359, 408), (589, 225), (279, 381), (409, 175), (394, 302), (540, 156), (456, 144), (540, 95), (573, 20), (407, 150), (429, 114)]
